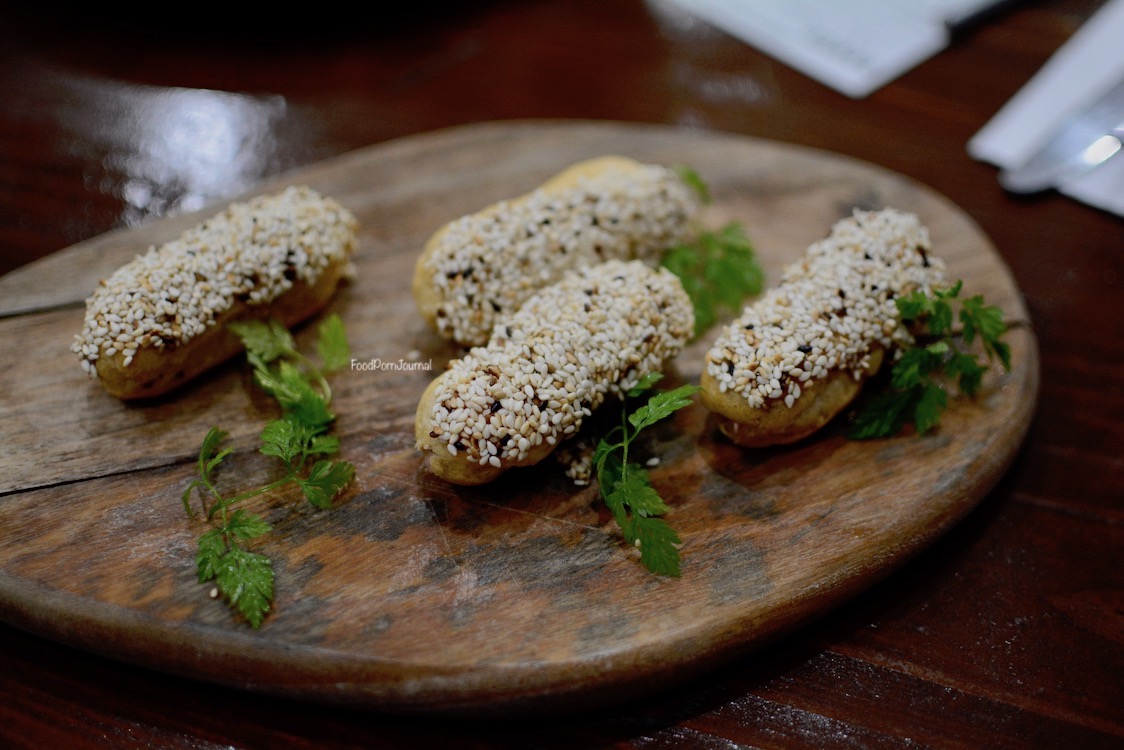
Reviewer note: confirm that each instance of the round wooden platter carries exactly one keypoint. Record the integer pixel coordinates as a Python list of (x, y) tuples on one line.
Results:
[(412, 595)]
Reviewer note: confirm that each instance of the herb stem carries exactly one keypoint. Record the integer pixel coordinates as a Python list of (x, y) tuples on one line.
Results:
[(227, 502), (316, 373), (623, 445)]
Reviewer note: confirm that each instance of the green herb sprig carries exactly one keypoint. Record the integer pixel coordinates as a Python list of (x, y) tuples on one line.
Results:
[(719, 270), (916, 392), (625, 485), (694, 180), (299, 437)]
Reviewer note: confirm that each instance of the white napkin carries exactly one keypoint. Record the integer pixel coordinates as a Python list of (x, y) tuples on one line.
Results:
[(854, 46), (1089, 64)]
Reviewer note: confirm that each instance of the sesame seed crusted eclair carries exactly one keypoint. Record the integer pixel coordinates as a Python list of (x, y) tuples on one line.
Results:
[(481, 267), (160, 319), (547, 367), (798, 355)]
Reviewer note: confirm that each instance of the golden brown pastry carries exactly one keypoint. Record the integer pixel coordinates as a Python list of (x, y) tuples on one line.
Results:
[(800, 354), (595, 333), (481, 267), (161, 319)]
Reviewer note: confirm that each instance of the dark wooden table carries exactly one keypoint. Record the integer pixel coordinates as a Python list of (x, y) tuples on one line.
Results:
[(1007, 633)]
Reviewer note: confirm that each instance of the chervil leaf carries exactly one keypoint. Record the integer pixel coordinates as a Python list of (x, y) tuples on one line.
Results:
[(185, 498), (296, 395), (913, 305), (940, 319), (694, 181), (615, 501), (332, 345), (684, 261), (636, 505), (662, 405), (245, 579), (645, 384), (607, 465), (657, 543), (916, 365), (986, 321), (734, 273), (968, 371), (1002, 350), (927, 411), (323, 445), (637, 493), (326, 480), (718, 272), (883, 416), (265, 341), (282, 438), (246, 525), (212, 546), (209, 454), (951, 292)]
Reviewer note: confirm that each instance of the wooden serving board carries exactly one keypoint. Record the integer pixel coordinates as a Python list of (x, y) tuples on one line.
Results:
[(417, 596)]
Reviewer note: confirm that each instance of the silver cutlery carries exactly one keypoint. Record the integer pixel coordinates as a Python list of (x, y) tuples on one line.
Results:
[(1088, 140)]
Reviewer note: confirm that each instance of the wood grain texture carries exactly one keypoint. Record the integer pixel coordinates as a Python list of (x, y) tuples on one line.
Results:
[(417, 596)]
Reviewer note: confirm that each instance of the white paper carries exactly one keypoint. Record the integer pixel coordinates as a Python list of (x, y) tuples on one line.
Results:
[(1089, 64), (854, 46)]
